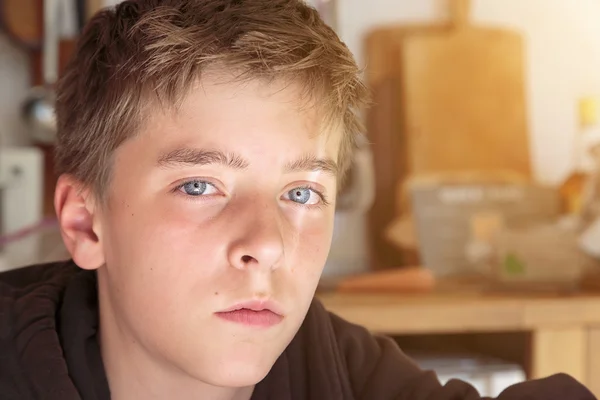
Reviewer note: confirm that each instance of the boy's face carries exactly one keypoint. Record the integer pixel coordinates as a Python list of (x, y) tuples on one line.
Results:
[(209, 208)]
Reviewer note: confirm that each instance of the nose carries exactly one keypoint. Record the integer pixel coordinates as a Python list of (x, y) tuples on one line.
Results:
[(259, 241)]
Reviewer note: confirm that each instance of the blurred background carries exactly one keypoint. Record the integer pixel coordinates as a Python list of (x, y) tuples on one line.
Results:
[(473, 203)]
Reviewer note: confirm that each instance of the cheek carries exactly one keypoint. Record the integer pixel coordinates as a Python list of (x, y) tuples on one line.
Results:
[(154, 249), (311, 247), (172, 224)]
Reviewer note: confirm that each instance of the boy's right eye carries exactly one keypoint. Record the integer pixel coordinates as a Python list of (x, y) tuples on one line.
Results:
[(197, 188)]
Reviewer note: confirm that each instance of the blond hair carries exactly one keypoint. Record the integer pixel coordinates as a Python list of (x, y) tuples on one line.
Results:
[(147, 50)]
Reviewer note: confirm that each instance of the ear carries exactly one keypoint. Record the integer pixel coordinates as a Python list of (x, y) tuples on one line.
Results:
[(75, 211)]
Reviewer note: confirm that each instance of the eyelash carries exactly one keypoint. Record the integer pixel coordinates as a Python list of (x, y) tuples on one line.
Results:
[(322, 196)]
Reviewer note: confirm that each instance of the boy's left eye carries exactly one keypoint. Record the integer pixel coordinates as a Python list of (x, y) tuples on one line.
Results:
[(304, 195), (198, 188)]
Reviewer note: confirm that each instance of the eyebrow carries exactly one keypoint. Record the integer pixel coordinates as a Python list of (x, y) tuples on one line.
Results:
[(194, 157), (189, 156), (313, 163)]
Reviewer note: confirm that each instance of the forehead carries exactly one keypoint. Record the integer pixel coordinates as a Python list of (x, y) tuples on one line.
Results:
[(216, 109), (270, 125)]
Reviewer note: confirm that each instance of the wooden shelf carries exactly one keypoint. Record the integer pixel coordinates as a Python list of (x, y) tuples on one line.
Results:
[(468, 311), (564, 329)]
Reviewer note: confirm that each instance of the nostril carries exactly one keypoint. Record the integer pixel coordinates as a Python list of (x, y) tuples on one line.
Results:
[(246, 259)]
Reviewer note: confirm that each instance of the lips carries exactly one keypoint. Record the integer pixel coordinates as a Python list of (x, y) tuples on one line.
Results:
[(253, 313)]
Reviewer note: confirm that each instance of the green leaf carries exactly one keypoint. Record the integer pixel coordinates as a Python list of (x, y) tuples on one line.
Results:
[(513, 265)]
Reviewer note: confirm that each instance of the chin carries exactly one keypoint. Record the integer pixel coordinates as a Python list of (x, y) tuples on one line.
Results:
[(236, 374), (233, 365)]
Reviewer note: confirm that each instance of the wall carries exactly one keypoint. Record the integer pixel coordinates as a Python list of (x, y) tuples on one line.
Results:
[(563, 42), (14, 84)]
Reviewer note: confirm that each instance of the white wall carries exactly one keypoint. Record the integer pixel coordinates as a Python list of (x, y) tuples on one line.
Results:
[(563, 40)]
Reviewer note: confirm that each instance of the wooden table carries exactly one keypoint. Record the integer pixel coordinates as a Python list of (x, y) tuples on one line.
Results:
[(564, 328)]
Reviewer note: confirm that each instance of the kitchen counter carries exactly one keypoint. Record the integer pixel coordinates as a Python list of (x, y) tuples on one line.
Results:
[(564, 328)]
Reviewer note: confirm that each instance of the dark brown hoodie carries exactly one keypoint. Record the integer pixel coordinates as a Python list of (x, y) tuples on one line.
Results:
[(49, 350)]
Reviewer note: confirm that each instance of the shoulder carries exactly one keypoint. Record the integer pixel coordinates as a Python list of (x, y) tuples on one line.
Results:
[(36, 274), (29, 344), (375, 368), (29, 287), (368, 365), (33, 286), (360, 348), (32, 291)]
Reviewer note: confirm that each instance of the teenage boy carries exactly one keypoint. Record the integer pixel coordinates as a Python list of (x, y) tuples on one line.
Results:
[(200, 147)]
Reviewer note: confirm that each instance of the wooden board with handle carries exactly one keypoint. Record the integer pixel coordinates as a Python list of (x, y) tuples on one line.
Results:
[(447, 97), (382, 49), (463, 97)]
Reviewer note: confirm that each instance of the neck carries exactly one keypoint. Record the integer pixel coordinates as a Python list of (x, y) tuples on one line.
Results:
[(134, 372)]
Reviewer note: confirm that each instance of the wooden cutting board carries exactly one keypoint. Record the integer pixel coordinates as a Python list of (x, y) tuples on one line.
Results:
[(463, 97), (382, 49), (447, 97)]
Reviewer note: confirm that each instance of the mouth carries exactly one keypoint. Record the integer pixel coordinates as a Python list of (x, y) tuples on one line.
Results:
[(253, 313)]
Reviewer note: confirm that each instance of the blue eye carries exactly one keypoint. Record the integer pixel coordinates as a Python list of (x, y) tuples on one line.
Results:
[(198, 188), (305, 195), (300, 195)]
